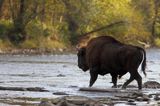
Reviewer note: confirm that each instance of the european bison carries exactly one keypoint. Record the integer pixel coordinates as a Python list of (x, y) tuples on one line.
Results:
[(105, 55)]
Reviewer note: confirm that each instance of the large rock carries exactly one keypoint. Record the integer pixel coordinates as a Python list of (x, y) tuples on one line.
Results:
[(46, 103), (151, 84), (65, 103), (71, 101)]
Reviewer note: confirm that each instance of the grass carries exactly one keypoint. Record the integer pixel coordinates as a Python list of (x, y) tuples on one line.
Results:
[(42, 42), (157, 42)]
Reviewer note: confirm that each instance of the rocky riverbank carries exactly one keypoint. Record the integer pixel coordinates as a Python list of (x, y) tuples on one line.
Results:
[(126, 97), (31, 80), (135, 98), (37, 51), (130, 96)]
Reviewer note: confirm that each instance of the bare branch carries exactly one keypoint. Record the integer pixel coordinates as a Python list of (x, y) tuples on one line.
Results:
[(1, 4), (33, 14), (12, 10), (86, 35)]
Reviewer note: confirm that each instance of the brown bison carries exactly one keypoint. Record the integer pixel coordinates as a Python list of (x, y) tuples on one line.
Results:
[(105, 55)]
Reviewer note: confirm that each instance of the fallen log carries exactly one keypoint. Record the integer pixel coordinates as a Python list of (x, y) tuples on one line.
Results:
[(99, 90), (109, 90), (35, 89)]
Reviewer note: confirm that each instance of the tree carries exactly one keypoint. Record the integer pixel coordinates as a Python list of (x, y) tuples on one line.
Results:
[(74, 16), (1, 4), (155, 17), (149, 10), (22, 13)]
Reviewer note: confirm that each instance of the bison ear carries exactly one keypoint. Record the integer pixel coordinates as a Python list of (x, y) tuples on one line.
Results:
[(82, 51)]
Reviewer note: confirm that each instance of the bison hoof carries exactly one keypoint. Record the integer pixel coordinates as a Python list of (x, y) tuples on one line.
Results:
[(114, 86), (140, 89), (123, 87)]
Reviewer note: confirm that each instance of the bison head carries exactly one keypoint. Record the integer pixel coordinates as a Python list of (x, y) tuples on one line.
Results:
[(82, 59)]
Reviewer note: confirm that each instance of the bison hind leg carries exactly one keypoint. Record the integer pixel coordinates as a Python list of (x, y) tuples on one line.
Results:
[(127, 82), (134, 75), (139, 81)]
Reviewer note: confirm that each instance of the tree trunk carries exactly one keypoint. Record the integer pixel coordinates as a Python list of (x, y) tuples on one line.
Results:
[(153, 27), (18, 34), (155, 18), (72, 28), (43, 11), (72, 24), (1, 4)]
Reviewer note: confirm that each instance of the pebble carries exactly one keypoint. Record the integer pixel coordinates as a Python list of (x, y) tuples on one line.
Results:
[(139, 98), (46, 103), (151, 84), (60, 75), (131, 103), (60, 93), (157, 97), (131, 100), (65, 103)]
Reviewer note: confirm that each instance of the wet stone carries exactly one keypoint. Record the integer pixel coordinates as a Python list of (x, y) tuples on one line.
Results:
[(46, 103), (76, 101), (64, 66), (35, 89), (157, 97), (65, 103), (60, 93), (139, 99), (129, 86), (105, 100), (146, 98), (150, 95), (149, 71), (151, 84), (73, 86), (131, 100), (131, 103), (79, 100), (55, 100), (136, 94), (60, 75), (140, 96)]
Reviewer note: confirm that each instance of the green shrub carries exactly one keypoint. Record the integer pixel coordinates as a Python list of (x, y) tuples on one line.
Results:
[(43, 43), (29, 44), (5, 44), (5, 25), (157, 42)]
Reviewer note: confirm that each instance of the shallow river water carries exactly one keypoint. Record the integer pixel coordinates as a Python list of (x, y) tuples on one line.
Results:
[(59, 73)]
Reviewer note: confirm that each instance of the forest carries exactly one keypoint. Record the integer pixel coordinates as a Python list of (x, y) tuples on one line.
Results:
[(48, 24)]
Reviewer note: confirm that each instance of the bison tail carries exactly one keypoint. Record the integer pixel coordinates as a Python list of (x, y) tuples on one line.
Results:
[(143, 66)]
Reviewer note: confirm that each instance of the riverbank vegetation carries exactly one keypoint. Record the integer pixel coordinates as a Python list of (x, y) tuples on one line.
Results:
[(55, 24)]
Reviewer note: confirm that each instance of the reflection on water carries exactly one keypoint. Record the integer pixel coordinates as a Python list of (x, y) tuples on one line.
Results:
[(60, 73)]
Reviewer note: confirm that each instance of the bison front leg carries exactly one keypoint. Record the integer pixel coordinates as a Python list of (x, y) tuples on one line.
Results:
[(93, 77), (114, 80)]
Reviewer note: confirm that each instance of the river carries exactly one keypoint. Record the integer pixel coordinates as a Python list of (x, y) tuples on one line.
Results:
[(59, 73)]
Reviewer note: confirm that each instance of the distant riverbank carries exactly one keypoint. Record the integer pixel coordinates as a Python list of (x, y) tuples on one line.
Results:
[(41, 51), (37, 51)]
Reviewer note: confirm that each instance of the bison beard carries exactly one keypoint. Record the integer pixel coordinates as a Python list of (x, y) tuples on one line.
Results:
[(105, 55)]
